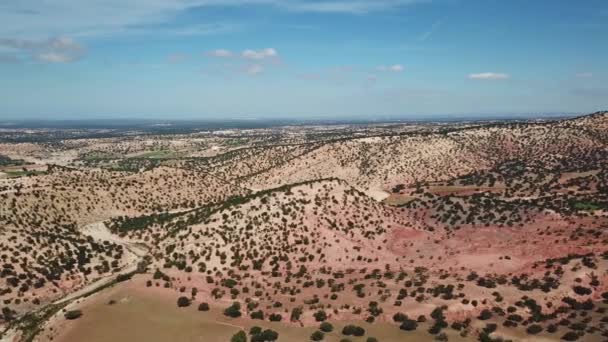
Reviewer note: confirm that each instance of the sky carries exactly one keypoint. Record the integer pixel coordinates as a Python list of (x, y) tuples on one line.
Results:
[(298, 59)]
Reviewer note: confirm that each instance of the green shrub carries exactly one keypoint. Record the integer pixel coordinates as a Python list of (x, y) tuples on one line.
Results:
[(317, 336), (239, 337), (534, 329), (72, 314), (326, 327), (353, 330), (409, 325), (182, 302), (233, 310)]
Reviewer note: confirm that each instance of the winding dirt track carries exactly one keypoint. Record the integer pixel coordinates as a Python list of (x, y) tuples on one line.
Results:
[(134, 252), (98, 230)]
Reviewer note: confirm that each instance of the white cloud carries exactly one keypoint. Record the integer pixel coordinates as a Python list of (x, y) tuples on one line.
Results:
[(392, 68), (344, 6), (221, 53), (261, 54), (396, 68), (584, 75), (489, 76), (249, 61), (53, 50), (35, 19), (54, 57), (254, 69)]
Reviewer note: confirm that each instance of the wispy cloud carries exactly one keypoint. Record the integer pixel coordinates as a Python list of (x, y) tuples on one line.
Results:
[(584, 75), (391, 68), (35, 19), (53, 50), (252, 62), (254, 69), (426, 35), (352, 7), (489, 76), (220, 53), (261, 54)]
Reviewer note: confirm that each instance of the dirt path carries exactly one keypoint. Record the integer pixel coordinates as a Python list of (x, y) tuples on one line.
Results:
[(134, 253)]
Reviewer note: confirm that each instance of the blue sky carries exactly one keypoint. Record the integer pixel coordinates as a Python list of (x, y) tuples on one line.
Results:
[(174, 59)]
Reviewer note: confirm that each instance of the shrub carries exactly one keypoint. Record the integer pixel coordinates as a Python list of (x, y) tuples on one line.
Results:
[(295, 314), (371, 339), (353, 330), (490, 328), (317, 336), (255, 330), (275, 317), (570, 336), (326, 327), (257, 315), (203, 307), (534, 329), (408, 325), (320, 316), (123, 277), (182, 302), (233, 310), (239, 337), (581, 291), (266, 335), (399, 317), (72, 314), (485, 314)]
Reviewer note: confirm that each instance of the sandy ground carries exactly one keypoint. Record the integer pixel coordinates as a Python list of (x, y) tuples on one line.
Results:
[(377, 194), (141, 315)]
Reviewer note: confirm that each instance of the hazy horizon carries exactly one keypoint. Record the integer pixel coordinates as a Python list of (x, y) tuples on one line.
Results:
[(123, 121)]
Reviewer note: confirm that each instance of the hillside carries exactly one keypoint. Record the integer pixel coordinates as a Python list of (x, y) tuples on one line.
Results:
[(449, 228)]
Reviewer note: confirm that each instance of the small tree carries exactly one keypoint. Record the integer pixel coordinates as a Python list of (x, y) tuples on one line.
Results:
[(353, 330), (72, 314), (239, 337), (320, 316), (182, 302), (399, 317), (534, 329), (326, 327), (485, 314), (233, 310), (317, 336), (275, 317), (409, 325)]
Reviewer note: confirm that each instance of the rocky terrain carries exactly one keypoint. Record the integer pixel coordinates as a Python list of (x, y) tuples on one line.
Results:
[(481, 231)]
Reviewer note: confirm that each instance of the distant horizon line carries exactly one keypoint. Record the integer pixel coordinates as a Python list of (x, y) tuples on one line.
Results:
[(318, 118)]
